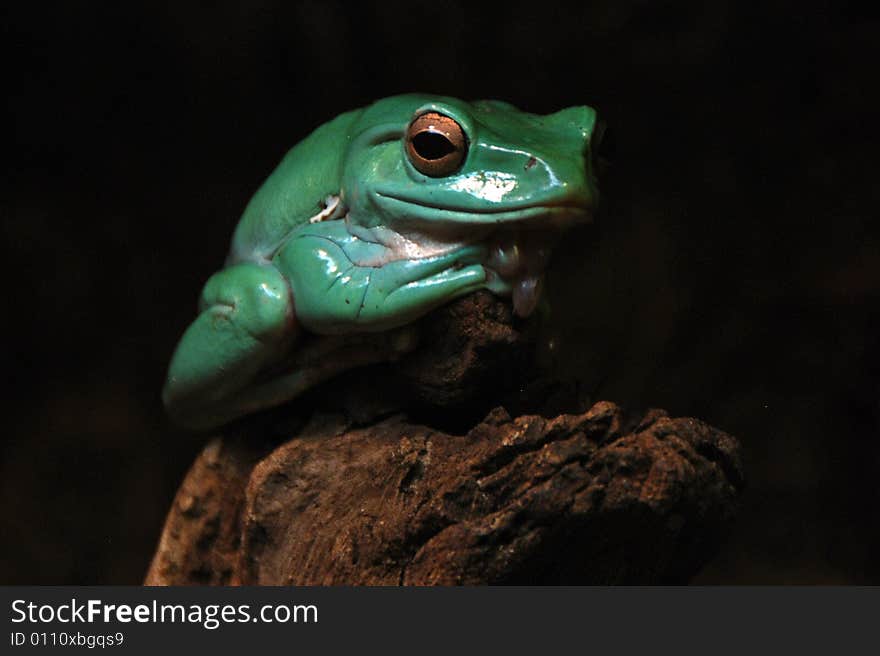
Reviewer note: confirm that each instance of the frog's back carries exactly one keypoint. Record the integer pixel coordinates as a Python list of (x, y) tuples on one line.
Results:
[(294, 192)]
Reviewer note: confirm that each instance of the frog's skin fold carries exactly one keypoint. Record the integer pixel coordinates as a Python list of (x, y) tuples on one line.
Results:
[(349, 239)]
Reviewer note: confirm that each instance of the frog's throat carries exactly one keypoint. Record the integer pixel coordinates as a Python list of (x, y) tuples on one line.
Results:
[(404, 244)]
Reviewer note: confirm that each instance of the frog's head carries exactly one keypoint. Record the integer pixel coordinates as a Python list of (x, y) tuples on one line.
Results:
[(439, 172)]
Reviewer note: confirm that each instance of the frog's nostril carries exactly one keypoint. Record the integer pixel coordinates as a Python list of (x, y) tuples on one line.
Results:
[(578, 119), (530, 163)]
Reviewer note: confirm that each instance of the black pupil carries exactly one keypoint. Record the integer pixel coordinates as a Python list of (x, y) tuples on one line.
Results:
[(432, 145)]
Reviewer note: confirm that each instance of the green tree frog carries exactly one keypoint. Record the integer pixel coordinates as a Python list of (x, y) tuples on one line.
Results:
[(376, 218)]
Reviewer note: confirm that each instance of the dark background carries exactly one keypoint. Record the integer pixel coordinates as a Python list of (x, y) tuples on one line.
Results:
[(737, 264)]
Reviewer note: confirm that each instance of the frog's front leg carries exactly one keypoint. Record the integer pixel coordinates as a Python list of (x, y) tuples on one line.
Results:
[(350, 285)]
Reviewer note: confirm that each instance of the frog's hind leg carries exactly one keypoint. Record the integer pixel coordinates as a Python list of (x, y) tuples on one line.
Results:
[(246, 323), (316, 362), (220, 369)]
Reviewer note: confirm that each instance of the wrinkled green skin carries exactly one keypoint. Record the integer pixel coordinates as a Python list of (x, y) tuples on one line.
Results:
[(363, 270)]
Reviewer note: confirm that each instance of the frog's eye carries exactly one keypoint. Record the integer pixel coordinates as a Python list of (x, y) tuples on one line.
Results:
[(435, 144)]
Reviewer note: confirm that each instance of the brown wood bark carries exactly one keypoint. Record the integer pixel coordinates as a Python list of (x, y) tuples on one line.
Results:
[(380, 479)]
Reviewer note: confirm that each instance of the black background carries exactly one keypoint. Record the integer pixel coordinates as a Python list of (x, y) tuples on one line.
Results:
[(737, 272)]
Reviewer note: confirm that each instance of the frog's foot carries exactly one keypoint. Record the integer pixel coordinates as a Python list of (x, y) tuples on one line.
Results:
[(516, 264), (246, 324), (405, 290), (344, 285)]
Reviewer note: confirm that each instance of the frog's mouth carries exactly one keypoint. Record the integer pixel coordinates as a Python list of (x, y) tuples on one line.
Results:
[(559, 211)]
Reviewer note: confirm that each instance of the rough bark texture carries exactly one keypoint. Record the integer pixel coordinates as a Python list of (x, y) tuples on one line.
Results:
[(395, 480)]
